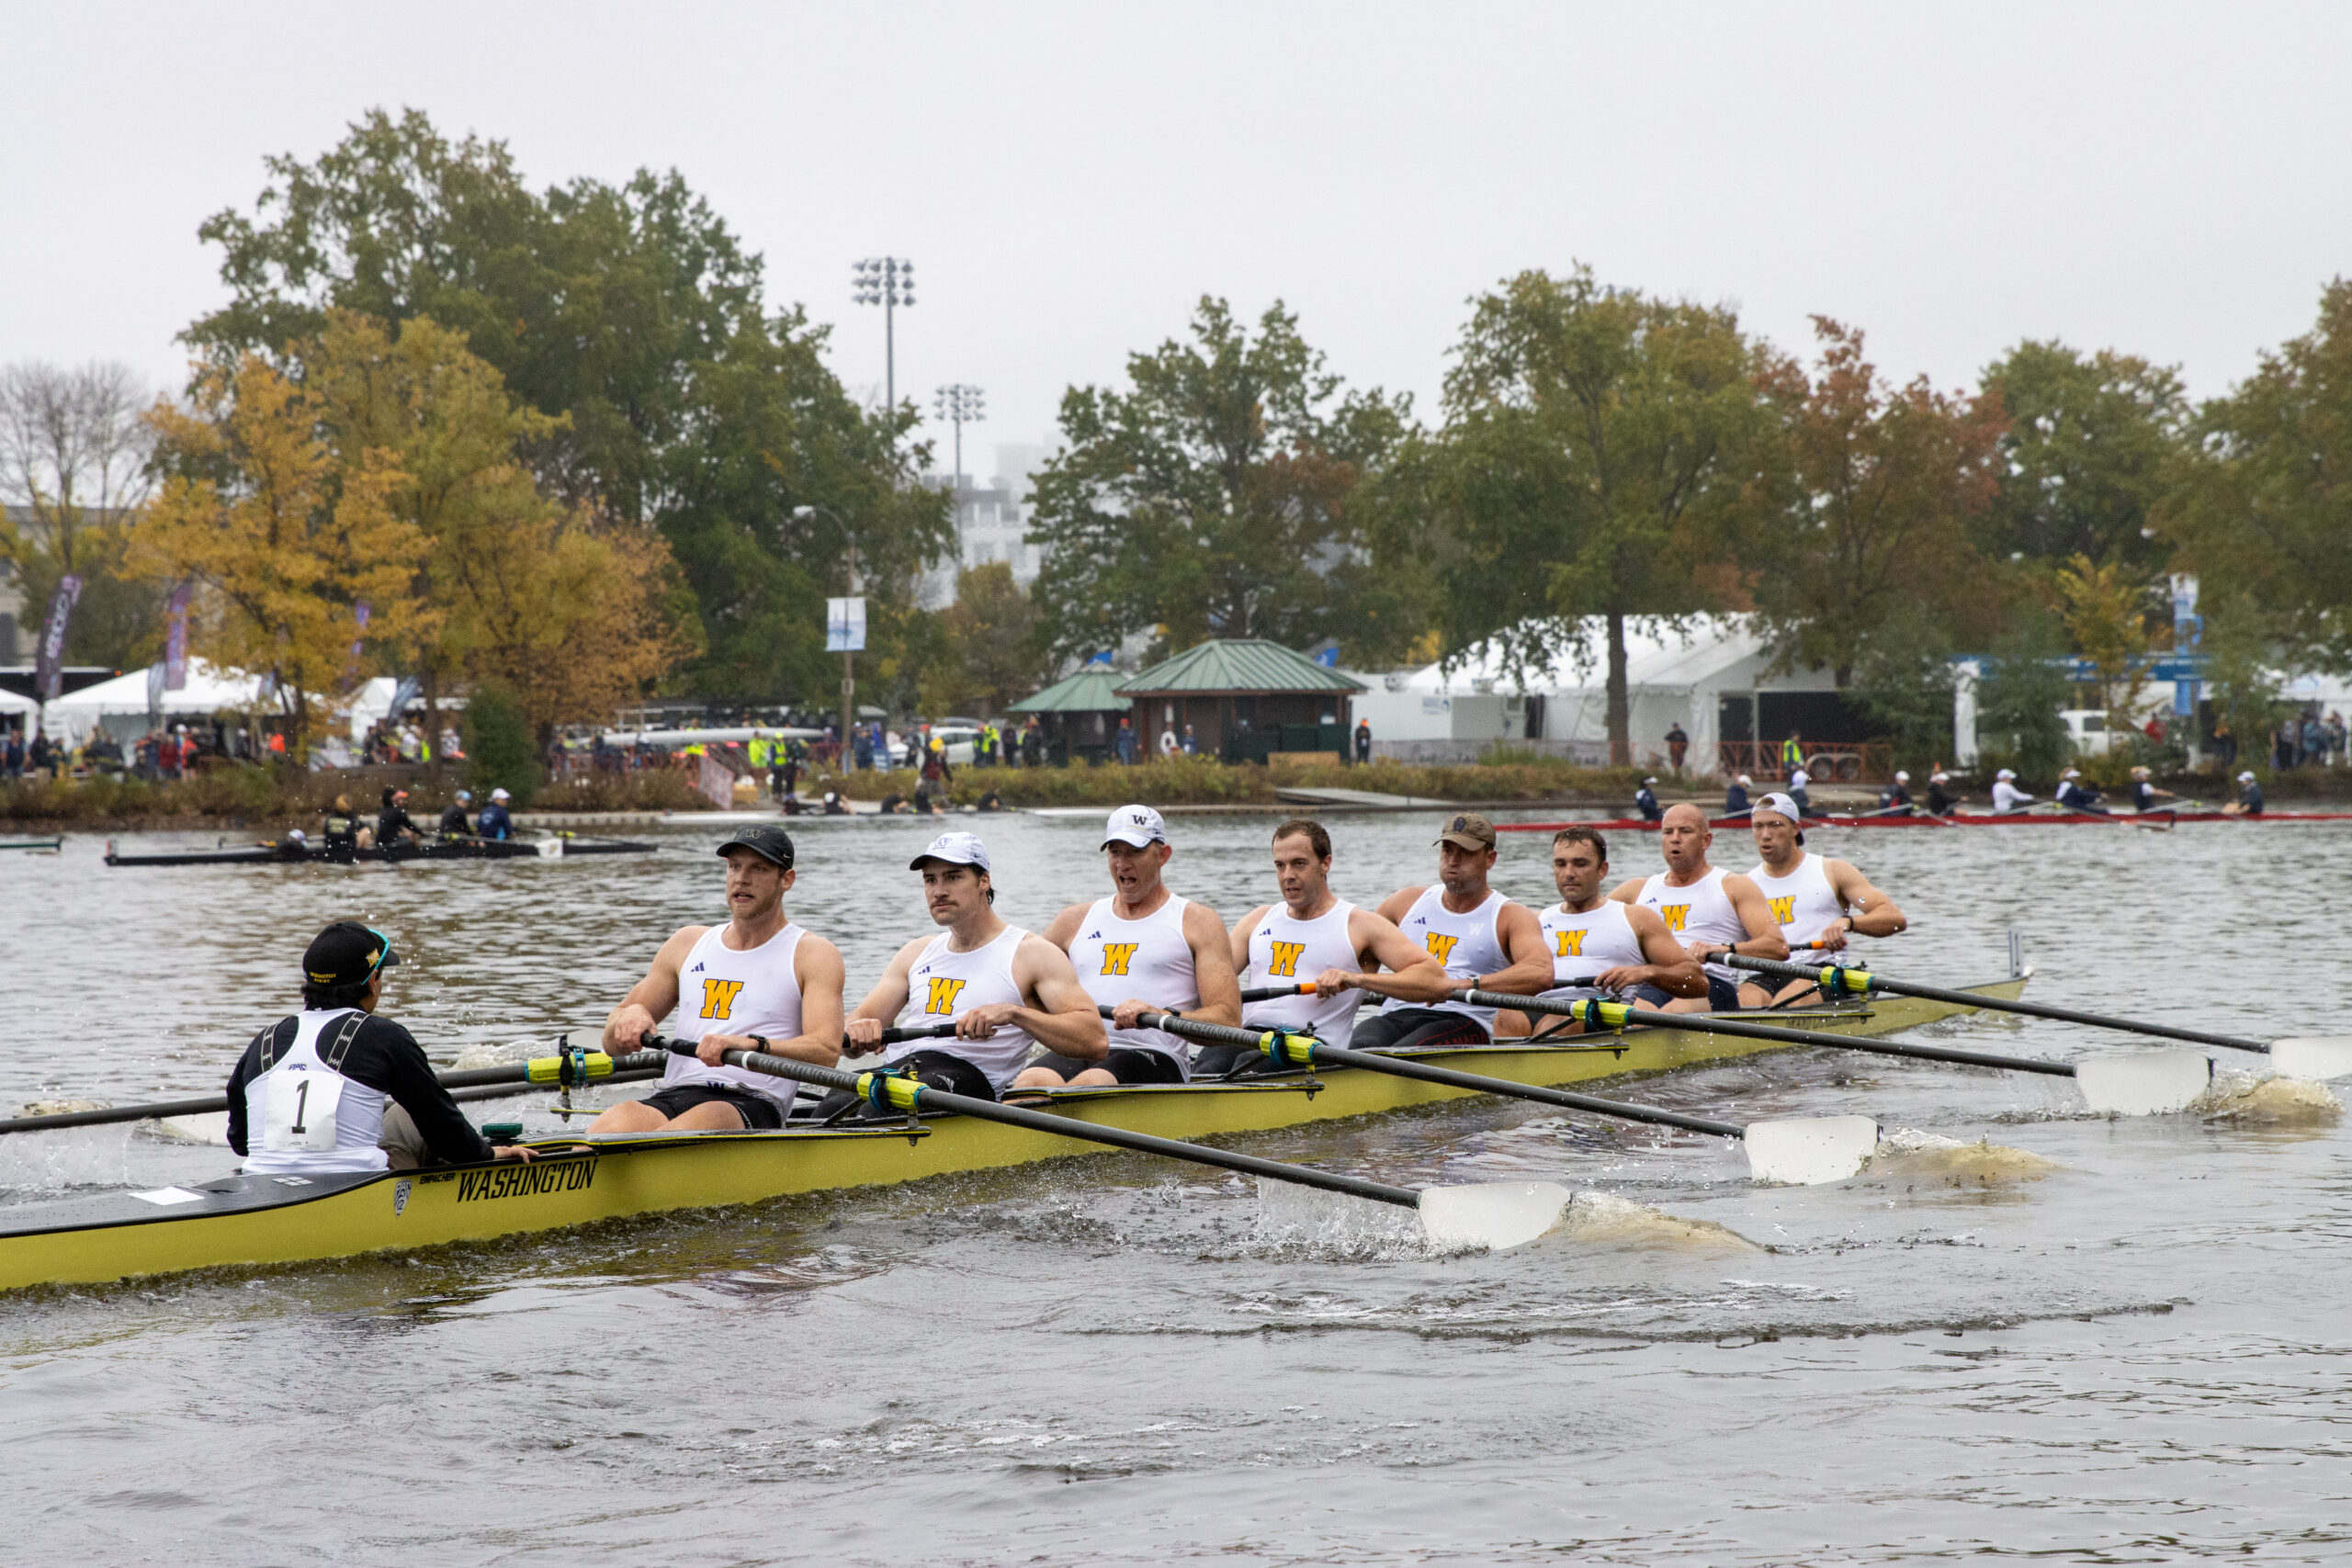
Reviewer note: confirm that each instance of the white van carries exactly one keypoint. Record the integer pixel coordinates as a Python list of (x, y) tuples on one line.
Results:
[(2086, 729)]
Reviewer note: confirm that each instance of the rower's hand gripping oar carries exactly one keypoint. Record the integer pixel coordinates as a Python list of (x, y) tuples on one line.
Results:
[(1800, 1152), (1493, 1215), (2113, 1085), (2311, 1057)]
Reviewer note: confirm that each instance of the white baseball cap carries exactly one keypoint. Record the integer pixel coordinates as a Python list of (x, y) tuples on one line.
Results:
[(954, 848), (1135, 825), (1902, 777), (1782, 804), (1745, 779), (2003, 774), (500, 795), (1649, 781), (2246, 778), (2072, 773)]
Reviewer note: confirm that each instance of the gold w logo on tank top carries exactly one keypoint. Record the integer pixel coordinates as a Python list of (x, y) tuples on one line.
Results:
[(1784, 909), (1571, 944), (719, 998), (1674, 915), (1285, 959), (1442, 944), (942, 999), (1116, 955)]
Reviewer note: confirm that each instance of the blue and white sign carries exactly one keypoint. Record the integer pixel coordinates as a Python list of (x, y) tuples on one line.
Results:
[(845, 624)]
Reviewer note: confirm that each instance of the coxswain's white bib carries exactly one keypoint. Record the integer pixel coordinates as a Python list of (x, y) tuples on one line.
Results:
[(1285, 949), (1148, 959), (944, 984), (1699, 912), (304, 1116), (728, 990), (1582, 945), (1802, 902), (1468, 945)]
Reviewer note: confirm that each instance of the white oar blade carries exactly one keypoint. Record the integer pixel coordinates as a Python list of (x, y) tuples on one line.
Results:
[(2152, 1083), (2321, 1056), (1809, 1150), (1492, 1215), (204, 1127), (550, 848)]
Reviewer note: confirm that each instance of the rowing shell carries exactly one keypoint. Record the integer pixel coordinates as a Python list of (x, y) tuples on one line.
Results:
[(461, 848), (262, 1219), (2014, 820)]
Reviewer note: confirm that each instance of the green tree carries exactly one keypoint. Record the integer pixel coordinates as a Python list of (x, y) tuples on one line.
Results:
[(2025, 686), (500, 751), (1902, 680), (74, 464), (1594, 444), (991, 656), (634, 311), (1211, 498), (2083, 456)]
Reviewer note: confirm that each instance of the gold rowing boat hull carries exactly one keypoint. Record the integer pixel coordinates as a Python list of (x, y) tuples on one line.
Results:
[(249, 1220)]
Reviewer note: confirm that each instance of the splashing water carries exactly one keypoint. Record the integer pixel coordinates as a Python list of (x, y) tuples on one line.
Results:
[(2248, 1097), (1607, 1220), (1912, 1155)]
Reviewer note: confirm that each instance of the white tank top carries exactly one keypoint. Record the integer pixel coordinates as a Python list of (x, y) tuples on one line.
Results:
[(944, 984), (1468, 945), (1583, 945), (1284, 948), (725, 990), (302, 1116), (1699, 912), (1147, 958), (1802, 902)]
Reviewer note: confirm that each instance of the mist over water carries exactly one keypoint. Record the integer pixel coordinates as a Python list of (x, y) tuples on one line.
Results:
[(2131, 1344)]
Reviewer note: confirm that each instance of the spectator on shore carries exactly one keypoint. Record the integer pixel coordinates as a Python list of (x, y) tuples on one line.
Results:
[(2313, 750), (1363, 741), (2334, 739), (1125, 742), (12, 756), (1190, 747), (1033, 743), (2225, 743), (1677, 743)]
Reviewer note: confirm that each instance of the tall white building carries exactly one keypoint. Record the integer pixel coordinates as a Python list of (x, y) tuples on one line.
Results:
[(990, 522)]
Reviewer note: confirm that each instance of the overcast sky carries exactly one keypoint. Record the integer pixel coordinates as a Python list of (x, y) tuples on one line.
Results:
[(2174, 181)]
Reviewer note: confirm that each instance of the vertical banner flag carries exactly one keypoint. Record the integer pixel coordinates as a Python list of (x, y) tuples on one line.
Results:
[(175, 639), (716, 783), (49, 660), (845, 624), (351, 670)]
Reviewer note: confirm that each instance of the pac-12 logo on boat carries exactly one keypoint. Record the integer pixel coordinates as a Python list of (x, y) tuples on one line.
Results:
[(1285, 959), (1442, 944), (1674, 915), (942, 999), (1571, 944), (1784, 909), (1117, 956), (719, 998)]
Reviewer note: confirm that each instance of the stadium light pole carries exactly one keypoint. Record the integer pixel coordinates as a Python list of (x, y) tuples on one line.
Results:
[(890, 282), (849, 590), (960, 405)]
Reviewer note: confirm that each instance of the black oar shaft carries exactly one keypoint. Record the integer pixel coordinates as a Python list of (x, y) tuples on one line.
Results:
[(1274, 993), (1197, 1029), (1863, 979), (924, 1097), (1715, 1023)]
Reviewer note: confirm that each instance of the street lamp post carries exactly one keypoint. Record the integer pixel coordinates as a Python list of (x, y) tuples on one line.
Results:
[(849, 657), (890, 282)]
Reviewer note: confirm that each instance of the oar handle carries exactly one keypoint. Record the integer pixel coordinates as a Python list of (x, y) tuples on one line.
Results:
[(1205, 1034), (1835, 980), (893, 1035), (1620, 1015), (892, 1091), (1275, 993)]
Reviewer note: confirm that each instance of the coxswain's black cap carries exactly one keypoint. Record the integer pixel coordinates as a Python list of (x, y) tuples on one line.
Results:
[(347, 954), (771, 844)]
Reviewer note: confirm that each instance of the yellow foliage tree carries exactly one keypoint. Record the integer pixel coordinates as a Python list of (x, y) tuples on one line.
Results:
[(287, 535), (2106, 611)]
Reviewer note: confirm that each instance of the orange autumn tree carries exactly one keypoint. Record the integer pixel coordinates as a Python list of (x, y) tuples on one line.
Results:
[(284, 536)]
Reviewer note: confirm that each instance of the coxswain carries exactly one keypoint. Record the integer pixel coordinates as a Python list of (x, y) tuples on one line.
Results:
[(494, 822), (1483, 940), (894, 804), (335, 1088), (339, 831), (2077, 795), (2145, 794), (1735, 801), (1713, 911), (1895, 799), (453, 822), (990, 801), (1602, 946), (1645, 800), (2008, 799), (1143, 949), (394, 825), (758, 983), (1311, 935), (834, 804), (1815, 899), (1940, 795), (2249, 800), (1002, 987)]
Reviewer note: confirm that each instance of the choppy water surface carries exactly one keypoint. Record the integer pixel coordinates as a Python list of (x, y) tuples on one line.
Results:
[(2145, 1356)]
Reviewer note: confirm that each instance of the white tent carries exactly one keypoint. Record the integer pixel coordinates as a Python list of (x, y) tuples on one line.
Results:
[(11, 703), (124, 700)]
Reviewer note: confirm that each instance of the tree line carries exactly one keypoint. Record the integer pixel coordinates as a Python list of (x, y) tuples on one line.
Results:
[(559, 440)]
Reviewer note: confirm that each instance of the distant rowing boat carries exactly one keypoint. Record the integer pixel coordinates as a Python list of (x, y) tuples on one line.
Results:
[(432, 850), (259, 1219), (40, 846), (1967, 819)]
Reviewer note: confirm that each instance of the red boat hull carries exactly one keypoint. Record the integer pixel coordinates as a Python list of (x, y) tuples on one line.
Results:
[(2046, 819)]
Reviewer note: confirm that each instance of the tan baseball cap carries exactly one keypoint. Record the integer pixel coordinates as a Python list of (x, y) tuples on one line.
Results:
[(1468, 831)]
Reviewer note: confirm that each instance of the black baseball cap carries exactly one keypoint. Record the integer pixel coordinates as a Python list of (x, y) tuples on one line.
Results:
[(347, 954), (771, 844)]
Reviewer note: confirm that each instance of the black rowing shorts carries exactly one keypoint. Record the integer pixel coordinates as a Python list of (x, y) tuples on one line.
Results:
[(1126, 1064), (758, 1111), (1723, 996), (940, 1070), (1405, 1029)]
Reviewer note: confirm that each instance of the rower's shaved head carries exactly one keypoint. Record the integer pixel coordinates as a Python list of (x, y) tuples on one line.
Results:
[(1685, 810), (1683, 838)]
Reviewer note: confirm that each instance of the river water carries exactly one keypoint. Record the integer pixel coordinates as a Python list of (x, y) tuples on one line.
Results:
[(2143, 1356)]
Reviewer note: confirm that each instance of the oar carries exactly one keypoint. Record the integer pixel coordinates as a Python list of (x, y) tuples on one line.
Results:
[(2302, 1056), (570, 1070), (2114, 1086), (1797, 1153), (1494, 1215)]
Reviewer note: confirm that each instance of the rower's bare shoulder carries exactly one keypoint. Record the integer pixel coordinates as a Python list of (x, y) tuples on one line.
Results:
[(682, 941), (1063, 931), (1249, 923), (1202, 923), (1392, 908)]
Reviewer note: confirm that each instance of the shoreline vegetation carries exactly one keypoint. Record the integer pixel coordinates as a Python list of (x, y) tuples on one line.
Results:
[(260, 798)]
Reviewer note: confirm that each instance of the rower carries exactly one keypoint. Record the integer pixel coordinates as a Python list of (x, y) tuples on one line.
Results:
[(2008, 799), (1314, 935), (1141, 949), (494, 822), (1735, 801), (1713, 911), (1798, 779), (1002, 987), (1604, 946), (1645, 800), (1481, 938), (1939, 797), (2249, 800), (1895, 800), (2075, 794), (340, 831), (337, 1088), (2145, 794), (393, 824), (453, 825), (1814, 899), (758, 983)]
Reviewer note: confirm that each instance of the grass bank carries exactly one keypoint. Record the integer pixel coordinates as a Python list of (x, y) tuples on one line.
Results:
[(1203, 781)]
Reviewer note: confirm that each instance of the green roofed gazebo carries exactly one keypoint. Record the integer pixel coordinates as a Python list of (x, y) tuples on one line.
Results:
[(1245, 698), (1079, 713)]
